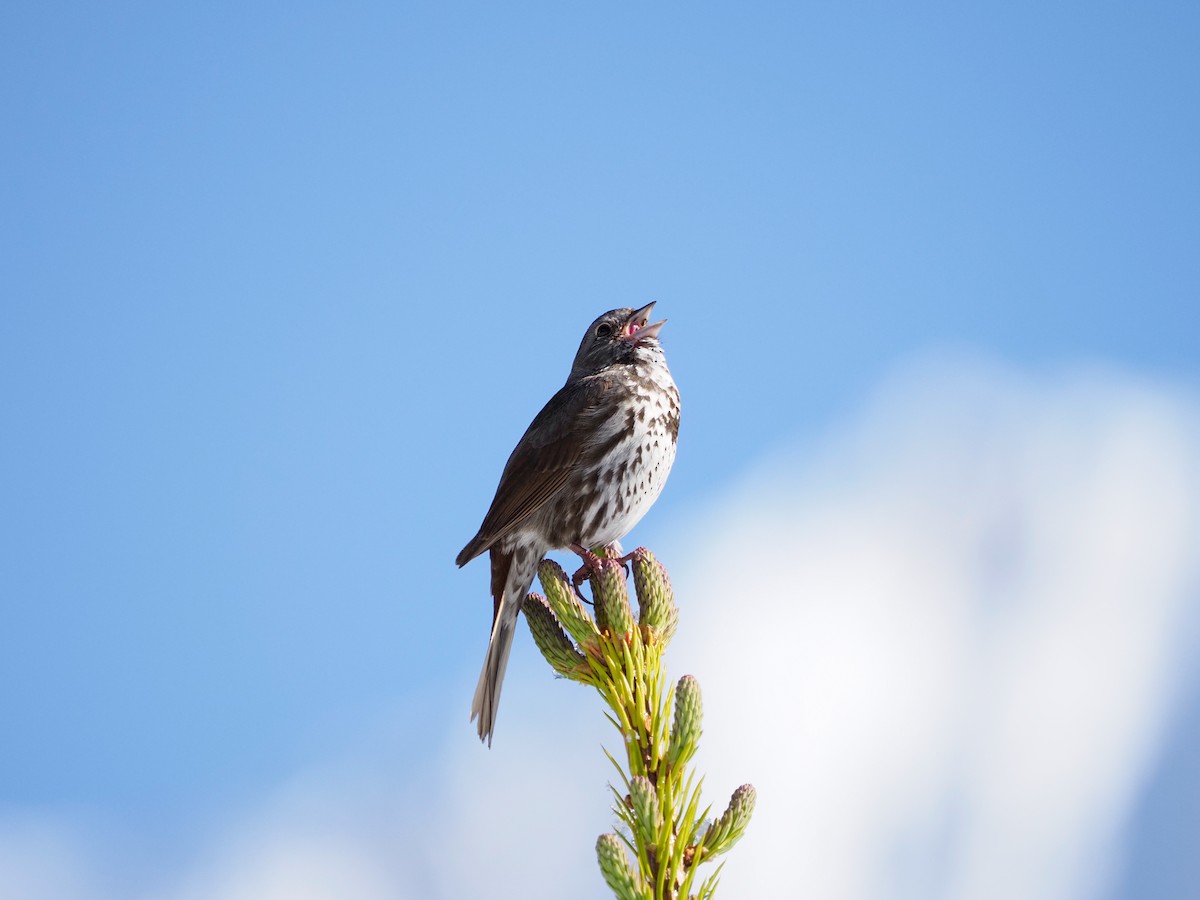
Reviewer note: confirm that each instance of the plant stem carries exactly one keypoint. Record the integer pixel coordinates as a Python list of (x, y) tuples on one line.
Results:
[(659, 814)]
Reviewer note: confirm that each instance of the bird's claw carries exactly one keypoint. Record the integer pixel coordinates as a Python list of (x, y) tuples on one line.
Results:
[(625, 561), (591, 564), (613, 552)]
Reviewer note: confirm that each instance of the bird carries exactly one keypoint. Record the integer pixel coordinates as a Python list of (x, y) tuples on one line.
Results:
[(587, 469)]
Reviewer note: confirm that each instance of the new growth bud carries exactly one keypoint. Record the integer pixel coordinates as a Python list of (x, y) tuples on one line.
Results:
[(614, 865), (656, 599), (551, 639), (685, 732), (728, 830), (560, 595), (647, 815), (611, 597)]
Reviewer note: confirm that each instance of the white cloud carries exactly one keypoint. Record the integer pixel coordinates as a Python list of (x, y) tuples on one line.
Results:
[(43, 856), (322, 836), (970, 607), (942, 643)]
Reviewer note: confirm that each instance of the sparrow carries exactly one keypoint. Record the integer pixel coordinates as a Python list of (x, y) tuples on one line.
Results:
[(587, 469)]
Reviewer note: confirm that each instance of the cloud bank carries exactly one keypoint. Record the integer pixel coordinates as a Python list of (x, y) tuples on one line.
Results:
[(971, 607), (943, 641)]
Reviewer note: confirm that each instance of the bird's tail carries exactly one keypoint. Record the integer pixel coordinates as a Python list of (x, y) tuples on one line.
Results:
[(487, 692)]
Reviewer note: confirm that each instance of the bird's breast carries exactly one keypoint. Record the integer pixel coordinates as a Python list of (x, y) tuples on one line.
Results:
[(627, 463)]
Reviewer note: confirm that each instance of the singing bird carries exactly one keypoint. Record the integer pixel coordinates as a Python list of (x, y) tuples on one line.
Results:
[(587, 469)]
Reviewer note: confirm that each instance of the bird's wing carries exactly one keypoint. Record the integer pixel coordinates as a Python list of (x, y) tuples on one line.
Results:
[(542, 460)]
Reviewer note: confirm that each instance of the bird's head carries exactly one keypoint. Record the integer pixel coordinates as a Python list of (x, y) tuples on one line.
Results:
[(618, 336)]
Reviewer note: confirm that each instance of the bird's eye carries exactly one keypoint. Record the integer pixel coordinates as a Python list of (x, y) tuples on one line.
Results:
[(603, 330)]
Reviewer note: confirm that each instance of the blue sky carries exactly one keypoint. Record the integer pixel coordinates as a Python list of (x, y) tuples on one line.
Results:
[(282, 285)]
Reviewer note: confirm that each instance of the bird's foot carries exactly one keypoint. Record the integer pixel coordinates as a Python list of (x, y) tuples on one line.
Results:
[(591, 563), (627, 559), (613, 551)]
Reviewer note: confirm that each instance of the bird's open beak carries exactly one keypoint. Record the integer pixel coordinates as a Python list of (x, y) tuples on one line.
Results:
[(636, 327)]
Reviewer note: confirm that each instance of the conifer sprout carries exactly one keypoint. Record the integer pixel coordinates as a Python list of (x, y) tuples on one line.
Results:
[(550, 637), (614, 865), (685, 733), (656, 600), (727, 830), (566, 606), (658, 803), (643, 802), (610, 596)]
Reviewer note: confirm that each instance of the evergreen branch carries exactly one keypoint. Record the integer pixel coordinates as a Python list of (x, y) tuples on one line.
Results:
[(659, 808)]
